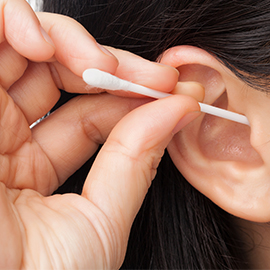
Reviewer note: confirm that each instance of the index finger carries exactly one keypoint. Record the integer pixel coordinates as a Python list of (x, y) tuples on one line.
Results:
[(76, 49), (144, 72), (21, 28), (131, 67)]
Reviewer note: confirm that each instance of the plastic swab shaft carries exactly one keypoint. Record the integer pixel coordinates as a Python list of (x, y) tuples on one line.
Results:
[(101, 79)]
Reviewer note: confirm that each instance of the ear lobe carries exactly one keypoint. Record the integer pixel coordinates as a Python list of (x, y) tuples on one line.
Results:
[(213, 154)]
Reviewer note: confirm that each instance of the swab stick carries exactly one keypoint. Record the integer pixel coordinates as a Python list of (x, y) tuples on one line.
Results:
[(101, 79)]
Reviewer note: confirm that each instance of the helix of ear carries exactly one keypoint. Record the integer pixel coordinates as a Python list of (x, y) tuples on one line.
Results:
[(218, 156)]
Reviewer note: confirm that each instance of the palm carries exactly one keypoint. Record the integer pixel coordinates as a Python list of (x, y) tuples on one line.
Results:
[(43, 229), (33, 220), (23, 162), (67, 231), (38, 231), (51, 232)]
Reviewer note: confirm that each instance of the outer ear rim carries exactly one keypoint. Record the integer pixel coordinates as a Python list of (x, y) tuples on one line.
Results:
[(186, 54), (229, 200), (232, 203)]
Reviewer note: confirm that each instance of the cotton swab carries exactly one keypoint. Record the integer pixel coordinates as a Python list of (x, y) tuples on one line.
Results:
[(101, 79)]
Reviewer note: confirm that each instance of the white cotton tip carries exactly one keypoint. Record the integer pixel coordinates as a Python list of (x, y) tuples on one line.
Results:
[(101, 79)]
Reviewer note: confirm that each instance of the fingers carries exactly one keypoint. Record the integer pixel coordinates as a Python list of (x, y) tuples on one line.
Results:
[(20, 27), (35, 93), (126, 165), (76, 49), (192, 89), (14, 129), (39, 84), (131, 67), (141, 71), (12, 65), (72, 134)]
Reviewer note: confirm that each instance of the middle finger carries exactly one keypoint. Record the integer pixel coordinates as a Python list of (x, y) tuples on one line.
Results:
[(35, 93)]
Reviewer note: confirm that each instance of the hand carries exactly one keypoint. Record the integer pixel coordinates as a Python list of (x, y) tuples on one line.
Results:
[(70, 231)]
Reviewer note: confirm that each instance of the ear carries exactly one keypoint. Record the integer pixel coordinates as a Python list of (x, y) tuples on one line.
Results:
[(228, 162)]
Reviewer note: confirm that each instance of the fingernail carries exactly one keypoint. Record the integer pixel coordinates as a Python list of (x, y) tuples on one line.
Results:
[(104, 50), (192, 89), (46, 37), (162, 65), (167, 66), (185, 121)]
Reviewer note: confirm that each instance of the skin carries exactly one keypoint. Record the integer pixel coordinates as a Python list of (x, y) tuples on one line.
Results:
[(226, 161), (39, 231)]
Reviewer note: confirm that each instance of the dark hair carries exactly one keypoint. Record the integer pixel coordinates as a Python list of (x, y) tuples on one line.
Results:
[(177, 227)]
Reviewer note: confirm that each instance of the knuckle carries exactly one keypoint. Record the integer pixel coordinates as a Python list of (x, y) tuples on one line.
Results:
[(143, 162), (92, 130)]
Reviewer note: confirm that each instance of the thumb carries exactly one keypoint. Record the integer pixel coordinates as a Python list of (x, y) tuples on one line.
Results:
[(21, 28), (126, 164)]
